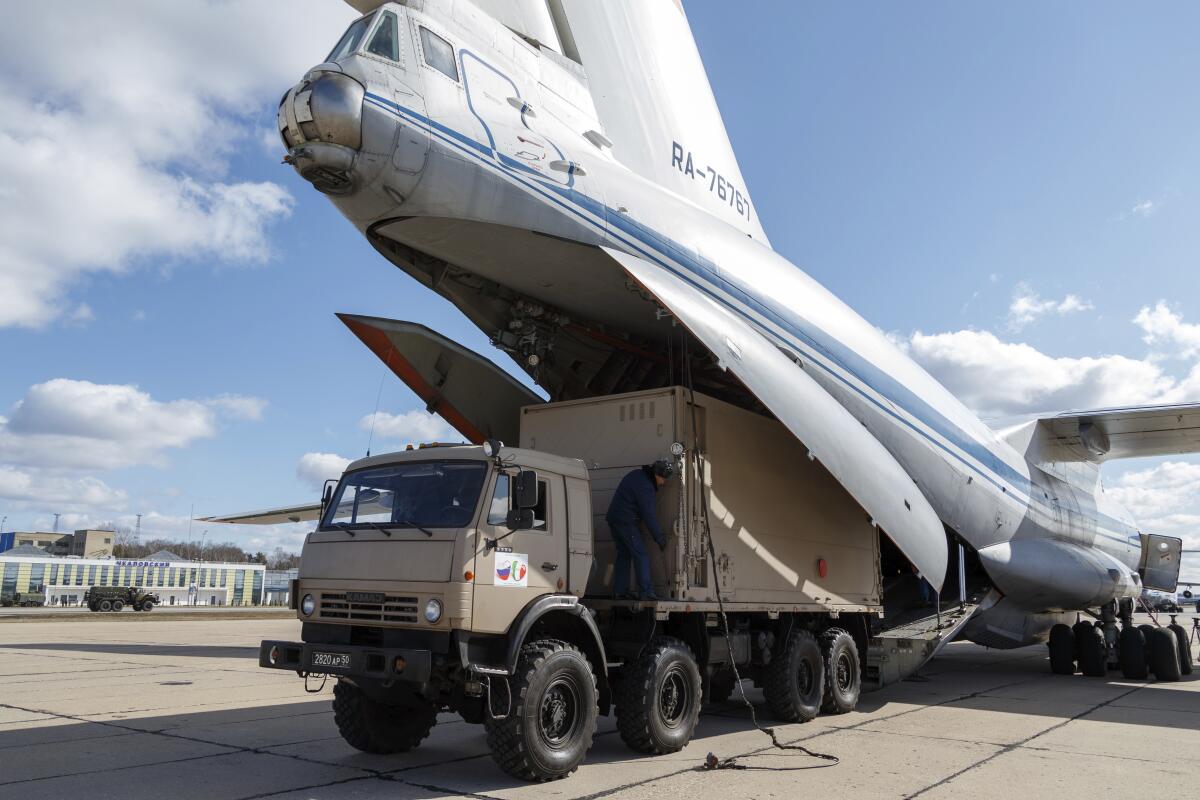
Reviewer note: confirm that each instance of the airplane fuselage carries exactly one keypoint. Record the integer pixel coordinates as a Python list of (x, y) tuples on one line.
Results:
[(444, 163)]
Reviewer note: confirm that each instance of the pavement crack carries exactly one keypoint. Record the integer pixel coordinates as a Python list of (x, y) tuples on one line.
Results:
[(1018, 745)]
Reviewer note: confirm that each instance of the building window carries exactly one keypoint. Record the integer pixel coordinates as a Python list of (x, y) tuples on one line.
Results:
[(239, 584), (91, 579), (256, 597), (9, 586), (54, 574), (105, 575), (79, 574), (224, 575)]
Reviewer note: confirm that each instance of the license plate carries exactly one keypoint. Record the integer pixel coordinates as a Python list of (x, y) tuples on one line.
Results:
[(333, 660)]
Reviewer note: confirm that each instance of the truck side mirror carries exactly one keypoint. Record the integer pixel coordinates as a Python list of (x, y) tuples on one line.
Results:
[(520, 519), (525, 491), (327, 495)]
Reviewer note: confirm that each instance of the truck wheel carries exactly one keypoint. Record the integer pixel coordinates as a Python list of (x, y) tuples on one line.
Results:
[(93, 606), (1062, 650), (794, 683), (1093, 653), (147, 605), (375, 727), (552, 716), (720, 687), (1133, 654), (658, 700), (117, 605), (105, 605), (1164, 655), (1185, 648), (843, 674)]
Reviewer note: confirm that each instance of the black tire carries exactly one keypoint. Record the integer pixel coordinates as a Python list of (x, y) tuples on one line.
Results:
[(1133, 654), (794, 680), (1093, 653), (375, 727), (721, 687), (1062, 650), (93, 606), (843, 672), (1184, 647), (117, 605), (147, 605), (552, 715), (658, 698), (1164, 655), (1080, 629)]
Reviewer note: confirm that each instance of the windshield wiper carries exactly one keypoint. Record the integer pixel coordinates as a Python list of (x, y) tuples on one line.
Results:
[(409, 522), (342, 526)]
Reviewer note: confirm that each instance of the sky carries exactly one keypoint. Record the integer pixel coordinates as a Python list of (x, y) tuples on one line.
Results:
[(1012, 192)]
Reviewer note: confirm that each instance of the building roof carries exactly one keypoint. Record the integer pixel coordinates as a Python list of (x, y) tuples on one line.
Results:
[(26, 551), (164, 555)]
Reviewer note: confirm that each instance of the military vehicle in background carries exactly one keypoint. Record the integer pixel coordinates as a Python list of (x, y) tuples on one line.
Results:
[(115, 598)]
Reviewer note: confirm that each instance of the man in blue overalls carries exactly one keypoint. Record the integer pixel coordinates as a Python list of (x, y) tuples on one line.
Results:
[(634, 502)]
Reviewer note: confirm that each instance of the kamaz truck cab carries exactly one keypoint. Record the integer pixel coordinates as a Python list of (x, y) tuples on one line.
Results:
[(434, 570)]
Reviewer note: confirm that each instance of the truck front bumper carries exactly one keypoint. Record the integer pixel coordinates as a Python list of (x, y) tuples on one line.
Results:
[(356, 661)]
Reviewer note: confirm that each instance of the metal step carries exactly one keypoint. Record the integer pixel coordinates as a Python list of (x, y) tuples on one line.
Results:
[(899, 652)]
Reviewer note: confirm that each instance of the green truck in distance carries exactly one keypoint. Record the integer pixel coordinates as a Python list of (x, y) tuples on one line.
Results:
[(115, 598)]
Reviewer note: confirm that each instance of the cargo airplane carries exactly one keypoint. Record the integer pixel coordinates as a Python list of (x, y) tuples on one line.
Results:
[(560, 172)]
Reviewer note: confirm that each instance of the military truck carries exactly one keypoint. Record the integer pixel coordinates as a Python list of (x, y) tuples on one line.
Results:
[(115, 598), (29, 599), (479, 579)]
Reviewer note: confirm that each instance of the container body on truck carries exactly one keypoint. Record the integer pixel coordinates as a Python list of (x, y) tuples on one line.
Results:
[(479, 579)]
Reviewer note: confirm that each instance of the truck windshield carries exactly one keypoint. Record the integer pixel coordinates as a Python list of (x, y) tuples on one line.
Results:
[(424, 494)]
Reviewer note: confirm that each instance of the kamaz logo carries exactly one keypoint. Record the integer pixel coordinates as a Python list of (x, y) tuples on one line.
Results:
[(365, 597)]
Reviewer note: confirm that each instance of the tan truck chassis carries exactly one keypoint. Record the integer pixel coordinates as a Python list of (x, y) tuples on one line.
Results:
[(506, 617)]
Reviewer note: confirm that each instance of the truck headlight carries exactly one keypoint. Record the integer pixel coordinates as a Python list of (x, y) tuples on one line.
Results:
[(433, 611), (308, 605)]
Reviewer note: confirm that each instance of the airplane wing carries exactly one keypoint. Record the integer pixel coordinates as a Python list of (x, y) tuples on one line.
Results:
[(471, 393), (270, 516), (835, 438), (1134, 432)]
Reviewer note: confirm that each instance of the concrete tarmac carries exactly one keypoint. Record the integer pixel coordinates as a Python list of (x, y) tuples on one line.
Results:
[(110, 708)]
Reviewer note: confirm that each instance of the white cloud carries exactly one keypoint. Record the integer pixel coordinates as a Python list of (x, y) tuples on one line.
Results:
[(316, 468), (411, 426), (71, 424), (1163, 327), (998, 378), (118, 129), (1027, 306), (1145, 208), (238, 406), (32, 488)]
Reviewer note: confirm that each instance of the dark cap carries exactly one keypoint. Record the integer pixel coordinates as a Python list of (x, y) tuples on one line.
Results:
[(664, 469)]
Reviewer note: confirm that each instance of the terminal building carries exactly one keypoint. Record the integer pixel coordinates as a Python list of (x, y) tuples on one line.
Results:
[(85, 543), (26, 569)]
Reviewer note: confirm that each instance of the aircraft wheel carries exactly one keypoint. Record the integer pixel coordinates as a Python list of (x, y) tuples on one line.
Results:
[(1185, 648), (1164, 655), (1093, 653), (1132, 650), (1062, 650), (1080, 630)]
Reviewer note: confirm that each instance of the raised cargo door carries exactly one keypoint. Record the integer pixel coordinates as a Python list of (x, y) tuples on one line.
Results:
[(1161, 557), (832, 435), (467, 390)]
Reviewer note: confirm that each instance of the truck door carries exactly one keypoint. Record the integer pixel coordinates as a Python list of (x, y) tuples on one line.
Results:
[(525, 564)]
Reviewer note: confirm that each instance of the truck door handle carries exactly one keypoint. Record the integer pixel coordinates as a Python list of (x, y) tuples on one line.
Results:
[(546, 565)]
